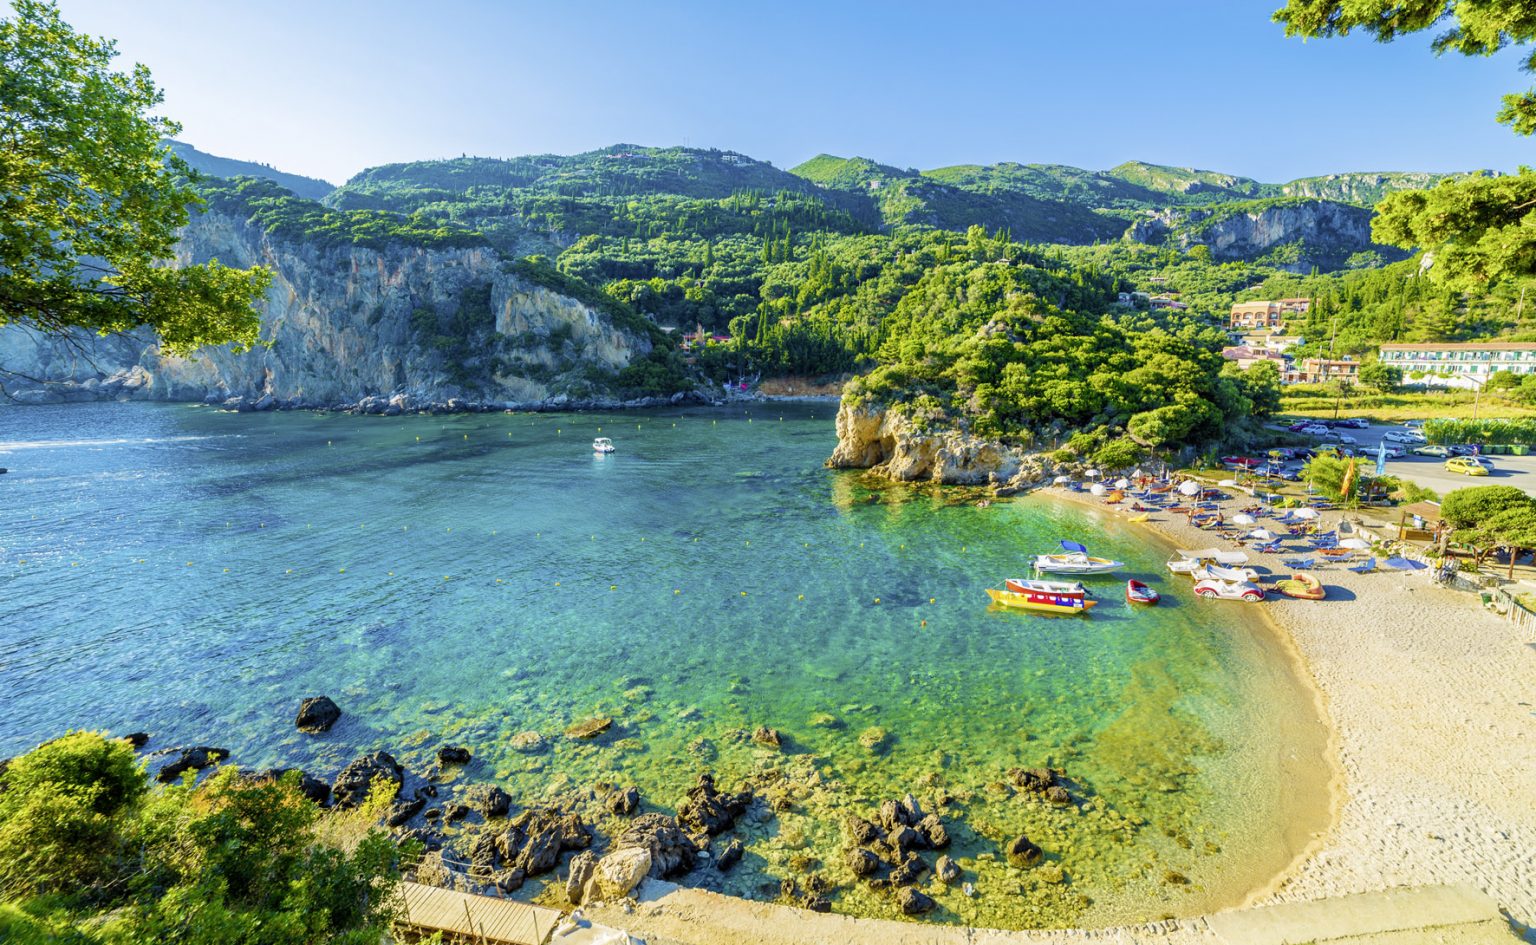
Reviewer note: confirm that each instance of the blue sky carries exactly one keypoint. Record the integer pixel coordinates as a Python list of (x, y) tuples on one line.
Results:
[(327, 88)]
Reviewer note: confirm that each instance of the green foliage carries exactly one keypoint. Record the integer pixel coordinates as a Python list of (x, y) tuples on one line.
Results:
[(234, 860), (90, 199), (1383, 377), (1499, 432), (1490, 518), (1118, 454), (1465, 508), (1473, 29), (1504, 380), (283, 216), (1478, 227), (58, 806)]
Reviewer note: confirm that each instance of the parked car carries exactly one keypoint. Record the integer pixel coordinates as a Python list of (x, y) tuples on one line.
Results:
[(1393, 452), (1216, 589), (1346, 438), (1462, 449), (1354, 423), (1315, 429), (1431, 451), (1414, 424), (1466, 465), (1336, 450), (1403, 436)]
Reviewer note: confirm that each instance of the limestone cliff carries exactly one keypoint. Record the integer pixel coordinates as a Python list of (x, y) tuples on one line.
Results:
[(890, 444), (400, 327), (1325, 232)]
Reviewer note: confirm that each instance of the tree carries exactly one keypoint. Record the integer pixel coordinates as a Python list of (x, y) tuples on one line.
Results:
[(1465, 508), (1382, 377), (91, 199), (1475, 29), (1503, 380), (1475, 224)]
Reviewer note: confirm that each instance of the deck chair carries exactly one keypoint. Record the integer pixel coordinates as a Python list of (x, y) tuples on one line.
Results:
[(1365, 567), (1299, 564)]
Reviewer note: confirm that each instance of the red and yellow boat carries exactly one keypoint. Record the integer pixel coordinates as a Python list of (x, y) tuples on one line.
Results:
[(1050, 597)]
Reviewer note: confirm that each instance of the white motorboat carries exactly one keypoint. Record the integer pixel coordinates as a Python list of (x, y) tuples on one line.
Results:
[(1075, 562), (602, 445)]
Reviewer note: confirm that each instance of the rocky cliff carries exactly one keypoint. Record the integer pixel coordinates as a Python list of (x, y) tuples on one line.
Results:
[(1324, 232), (400, 327), (888, 443)]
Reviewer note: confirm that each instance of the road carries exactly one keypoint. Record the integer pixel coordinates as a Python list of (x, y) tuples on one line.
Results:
[(1429, 471)]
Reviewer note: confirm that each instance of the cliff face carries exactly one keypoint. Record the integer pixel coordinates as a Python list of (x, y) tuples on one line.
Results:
[(341, 325), (1328, 231), (886, 442)]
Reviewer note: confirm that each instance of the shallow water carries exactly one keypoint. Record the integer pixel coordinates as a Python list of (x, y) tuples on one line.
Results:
[(194, 573)]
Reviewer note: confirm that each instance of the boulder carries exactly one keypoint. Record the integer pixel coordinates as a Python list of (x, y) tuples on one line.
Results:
[(583, 865), (729, 856), (671, 851), (137, 739), (763, 735), (192, 759), (455, 812), (913, 902), (589, 728), (706, 809), (311, 787), (1022, 853), (536, 838), (402, 810), (907, 872), (623, 801), (357, 780), (911, 813), (490, 800), (1036, 780), (529, 743), (946, 870), (862, 862), (508, 880), (453, 755), (620, 872), (861, 831), (317, 715), (903, 839), (932, 830), (1058, 795), (889, 816)]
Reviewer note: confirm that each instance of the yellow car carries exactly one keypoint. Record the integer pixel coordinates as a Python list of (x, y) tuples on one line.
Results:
[(1465, 466)]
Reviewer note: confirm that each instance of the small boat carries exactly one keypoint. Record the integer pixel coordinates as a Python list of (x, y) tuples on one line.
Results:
[(602, 445), (1051, 597), (1075, 562), (1302, 586), (1188, 562), (1215, 572), (1139, 593)]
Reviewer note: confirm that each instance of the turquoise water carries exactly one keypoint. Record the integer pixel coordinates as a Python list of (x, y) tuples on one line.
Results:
[(194, 573)]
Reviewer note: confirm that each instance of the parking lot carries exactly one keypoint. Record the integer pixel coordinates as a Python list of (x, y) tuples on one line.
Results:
[(1430, 471)]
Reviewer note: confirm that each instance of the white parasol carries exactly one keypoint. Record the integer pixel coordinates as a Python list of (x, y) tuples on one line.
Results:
[(1189, 488), (1097, 488), (1122, 483), (1356, 544), (1062, 480), (1306, 513), (1243, 518), (1262, 534), (1091, 473)]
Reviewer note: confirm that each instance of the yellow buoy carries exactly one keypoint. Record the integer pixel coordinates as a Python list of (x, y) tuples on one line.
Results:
[(743, 593), (877, 600), (289, 571), (677, 590), (930, 600), (802, 597), (498, 580), (341, 570), (613, 587), (557, 583), (925, 623)]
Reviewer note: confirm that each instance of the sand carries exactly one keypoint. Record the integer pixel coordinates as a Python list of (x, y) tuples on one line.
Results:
[(1432, 705)]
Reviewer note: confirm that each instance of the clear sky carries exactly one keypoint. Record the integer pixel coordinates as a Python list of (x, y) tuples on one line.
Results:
[(328, 87)]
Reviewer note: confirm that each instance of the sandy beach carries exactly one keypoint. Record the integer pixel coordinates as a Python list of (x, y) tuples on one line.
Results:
[(1431, 702)]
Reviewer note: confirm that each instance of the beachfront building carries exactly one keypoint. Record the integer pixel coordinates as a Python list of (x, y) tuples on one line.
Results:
[(1246, 357), (1443, 364), (1271, 314), (1321, 370)]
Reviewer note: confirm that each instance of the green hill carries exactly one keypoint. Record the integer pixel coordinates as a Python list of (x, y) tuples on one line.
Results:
[(215, 166)]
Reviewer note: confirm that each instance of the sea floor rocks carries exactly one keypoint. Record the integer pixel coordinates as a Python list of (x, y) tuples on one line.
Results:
[(707, 810), (672, 853), (358, 780), (191, 759), (619, 872), (589, 728)]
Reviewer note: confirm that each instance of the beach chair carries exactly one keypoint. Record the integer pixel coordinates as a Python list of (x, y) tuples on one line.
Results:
[(1365, 567), (1299, 564), (1270, 548)]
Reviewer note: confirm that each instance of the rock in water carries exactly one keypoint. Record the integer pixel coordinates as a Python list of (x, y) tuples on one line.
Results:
[(489, 800), (317, 715), (729, 856), (623, 801), (590, 728), (932, 830), (453, 755), (671, 850), (357, 780), (913, 902), (862, 862), (770, 737), (192, 759), (1022, 853), (861, 831), (137, 739), (946, 870), (529, 743), (402, 810), (620, 872), (707, 810), (583, 865)]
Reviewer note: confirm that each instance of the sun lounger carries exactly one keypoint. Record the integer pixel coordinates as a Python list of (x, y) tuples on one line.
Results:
[(1365, 567), (1299, 564)]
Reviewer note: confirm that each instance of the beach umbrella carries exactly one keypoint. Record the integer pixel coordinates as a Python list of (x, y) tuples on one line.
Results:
[(1404, 564), (1306, 513), (1138, 473), (1062, 480), (1096, 488), (1357, 544), (1189, 488), (1262, 534), (1091, 473), (1122, 483), (1227, 482), (1243, 518)]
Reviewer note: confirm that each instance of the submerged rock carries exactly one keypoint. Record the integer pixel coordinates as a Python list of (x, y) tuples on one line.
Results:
[(192, 759), (529, 743), (453, 755), (729, 856), (862, 862), (707, 810), (769, 737), (1022, 853), (623, 801), (671, 850), (946, 870), (317, 715), (913, 902), (589, 728)]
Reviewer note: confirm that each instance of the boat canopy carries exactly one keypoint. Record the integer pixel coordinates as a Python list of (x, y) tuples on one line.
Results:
[(1216, 555)]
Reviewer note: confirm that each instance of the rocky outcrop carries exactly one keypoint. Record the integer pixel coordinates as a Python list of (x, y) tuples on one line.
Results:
[(378, 770), (393, 329), (1327, 231), (317, 715), (884, 440)]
